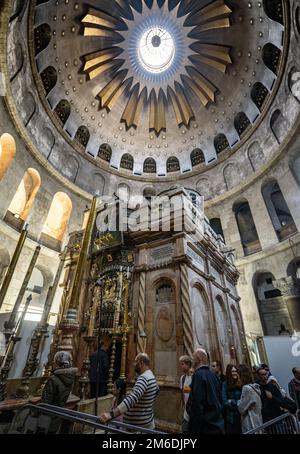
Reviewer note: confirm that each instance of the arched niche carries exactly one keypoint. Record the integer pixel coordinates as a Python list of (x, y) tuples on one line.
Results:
[(237, 330), (18, 63), (7, 152), (31, 108), (204, 188), (278, 125), (222, 327), (271, 305), (256, 156), (123, 192), (201, 316), (23, 199), (279, 212), (164, 329), (246, 226), (57, 220), (231, 176)]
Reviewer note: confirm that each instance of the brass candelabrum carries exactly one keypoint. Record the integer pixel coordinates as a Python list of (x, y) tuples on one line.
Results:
[(115, 332), (9, 355), (84, 380)]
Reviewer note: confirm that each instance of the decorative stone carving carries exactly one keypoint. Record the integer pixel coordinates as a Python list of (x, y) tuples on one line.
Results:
[(161, 254), (141, 313), (186, 311), (164, 324)]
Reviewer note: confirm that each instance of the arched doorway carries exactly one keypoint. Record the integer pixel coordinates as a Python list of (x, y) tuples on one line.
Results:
[(271, 305)]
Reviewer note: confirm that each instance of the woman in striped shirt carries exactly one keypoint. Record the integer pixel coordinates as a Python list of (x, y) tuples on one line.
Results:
[(137, 407)]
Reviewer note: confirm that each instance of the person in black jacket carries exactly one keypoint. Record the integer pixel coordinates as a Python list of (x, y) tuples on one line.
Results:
[(271, 397), (204, 404), (99, 358)]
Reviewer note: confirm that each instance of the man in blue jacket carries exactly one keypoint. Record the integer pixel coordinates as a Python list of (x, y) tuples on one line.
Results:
[(204, 404)]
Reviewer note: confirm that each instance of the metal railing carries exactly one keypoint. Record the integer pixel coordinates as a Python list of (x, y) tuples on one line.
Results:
[(286, 424), (39, 418)]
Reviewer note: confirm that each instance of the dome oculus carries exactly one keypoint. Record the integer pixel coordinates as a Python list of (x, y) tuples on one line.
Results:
[(156, 50)]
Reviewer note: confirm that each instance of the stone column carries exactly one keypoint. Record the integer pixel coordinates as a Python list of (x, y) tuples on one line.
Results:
[(186, 311), (141, 344)]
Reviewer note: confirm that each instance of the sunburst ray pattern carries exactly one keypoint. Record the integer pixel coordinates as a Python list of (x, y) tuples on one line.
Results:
[(120, 34)]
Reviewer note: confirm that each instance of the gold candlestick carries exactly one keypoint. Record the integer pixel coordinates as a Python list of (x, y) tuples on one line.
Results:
[(77, 283), (115, 332), (125, 328)]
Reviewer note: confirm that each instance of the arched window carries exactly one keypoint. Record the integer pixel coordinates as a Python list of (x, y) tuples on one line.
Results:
[(149, 165), (173, 164), (82, 135), (57, 220), (274, 9), (216, 225), (241, 123), (105, 152), (49, 78), (126, 162), (197, 157), (247, 229), (23, 199), (279, 212), (7, 152), (221, 143), (259, 94), (222, 325), (271, 57), (63, 110), (42, 37)]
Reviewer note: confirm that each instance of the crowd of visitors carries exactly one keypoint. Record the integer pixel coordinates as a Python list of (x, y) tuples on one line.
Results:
[(236, 402)]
